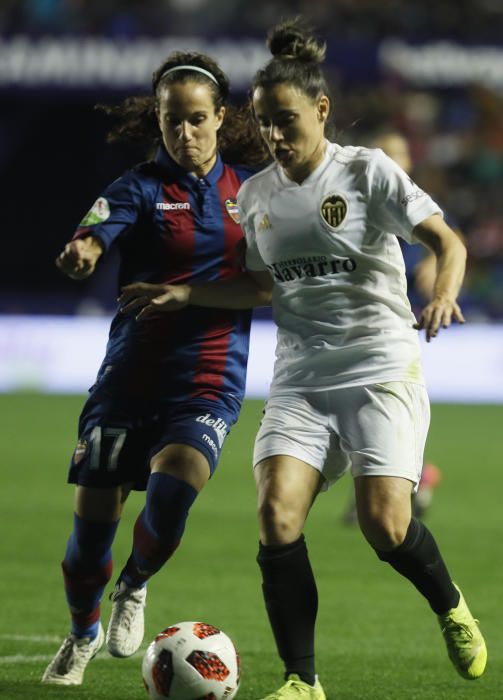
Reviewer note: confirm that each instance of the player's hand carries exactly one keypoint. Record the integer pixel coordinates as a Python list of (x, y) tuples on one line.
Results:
[(134, 297), (175, 296), (79, 257), (440, 312), (150, 299)]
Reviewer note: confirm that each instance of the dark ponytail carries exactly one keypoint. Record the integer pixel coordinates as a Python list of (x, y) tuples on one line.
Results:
[(297, 58)]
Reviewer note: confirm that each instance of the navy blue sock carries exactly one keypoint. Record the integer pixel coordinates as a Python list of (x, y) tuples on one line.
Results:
[(87, 568), (159, 527)]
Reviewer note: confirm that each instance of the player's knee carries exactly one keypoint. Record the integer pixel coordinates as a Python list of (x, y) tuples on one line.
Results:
[(102, 505), (167, 505), (279, 522), (182, 462), (383, 531)]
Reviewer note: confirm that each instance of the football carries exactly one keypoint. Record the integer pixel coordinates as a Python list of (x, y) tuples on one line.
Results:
[(191, 661)]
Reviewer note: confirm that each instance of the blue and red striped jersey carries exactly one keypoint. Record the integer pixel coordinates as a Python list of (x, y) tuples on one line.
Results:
[(173, 227)]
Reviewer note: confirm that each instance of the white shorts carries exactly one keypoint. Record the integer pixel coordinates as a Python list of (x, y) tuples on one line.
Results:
[(378, 429)]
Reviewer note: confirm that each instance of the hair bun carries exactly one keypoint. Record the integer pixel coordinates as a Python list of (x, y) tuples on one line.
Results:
[(294, 39)]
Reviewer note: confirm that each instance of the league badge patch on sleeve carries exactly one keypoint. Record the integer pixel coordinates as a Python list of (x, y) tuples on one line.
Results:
[(99, 212), (334, 209), (232, 209), (80, 451)]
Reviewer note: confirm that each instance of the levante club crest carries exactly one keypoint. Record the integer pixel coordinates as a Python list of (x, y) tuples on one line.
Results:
[(232, 209), (80, 451), (334, 209)]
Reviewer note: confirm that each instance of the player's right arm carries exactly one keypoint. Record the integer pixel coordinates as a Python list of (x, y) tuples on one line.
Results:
[(79, 257), (112, 214), (450, 255)]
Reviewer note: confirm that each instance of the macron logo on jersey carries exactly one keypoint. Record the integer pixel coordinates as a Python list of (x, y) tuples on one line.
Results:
[(170, 206)]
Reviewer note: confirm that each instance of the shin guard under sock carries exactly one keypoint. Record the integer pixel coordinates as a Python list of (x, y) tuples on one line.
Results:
[(87, 568), (418, 559), (159, 527), (291, 600)]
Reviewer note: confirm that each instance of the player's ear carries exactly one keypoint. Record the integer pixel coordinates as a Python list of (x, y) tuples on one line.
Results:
[(323, 108), (220, 114), (157, 110)]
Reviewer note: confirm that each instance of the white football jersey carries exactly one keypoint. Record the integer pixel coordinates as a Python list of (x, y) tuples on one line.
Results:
[(340, 294)]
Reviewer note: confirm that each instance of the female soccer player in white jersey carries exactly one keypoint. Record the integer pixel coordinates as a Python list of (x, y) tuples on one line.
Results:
[(347, 391)]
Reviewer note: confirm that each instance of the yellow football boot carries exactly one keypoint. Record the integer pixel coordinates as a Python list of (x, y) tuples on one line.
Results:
[(465, 644), (296, 689)]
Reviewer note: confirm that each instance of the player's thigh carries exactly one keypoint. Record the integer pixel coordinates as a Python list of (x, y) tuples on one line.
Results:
[(189, 442), (383, 428), (375, 494), (294, 426), (287, 483), (286, 490), (184, 462), (384, 509), (112, 448)]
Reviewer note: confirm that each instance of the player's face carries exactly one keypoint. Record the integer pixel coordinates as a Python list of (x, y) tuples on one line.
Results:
[(293, 127), (189, 125)]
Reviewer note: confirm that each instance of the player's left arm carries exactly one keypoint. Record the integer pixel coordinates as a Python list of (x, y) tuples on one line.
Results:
[(250, 288), (245, 291), (450, 255)]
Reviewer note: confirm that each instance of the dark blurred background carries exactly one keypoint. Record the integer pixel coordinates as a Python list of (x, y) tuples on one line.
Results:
[(433, 70)]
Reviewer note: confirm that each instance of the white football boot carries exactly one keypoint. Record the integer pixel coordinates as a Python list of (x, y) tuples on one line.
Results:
[(126, 627), (69, 664)]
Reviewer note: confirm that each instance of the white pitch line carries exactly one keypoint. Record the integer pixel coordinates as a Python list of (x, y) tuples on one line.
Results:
[(29, 638), (22, 659), (34, 658)]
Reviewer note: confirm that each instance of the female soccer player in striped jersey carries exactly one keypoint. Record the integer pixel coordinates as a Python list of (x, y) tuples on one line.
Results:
[(348, 390), (168, 390)]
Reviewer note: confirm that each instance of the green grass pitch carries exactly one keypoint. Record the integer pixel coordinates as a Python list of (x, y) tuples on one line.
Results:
[(376, 638)]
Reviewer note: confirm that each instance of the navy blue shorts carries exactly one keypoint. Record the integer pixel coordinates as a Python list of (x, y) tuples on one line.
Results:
[(117, 449)]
